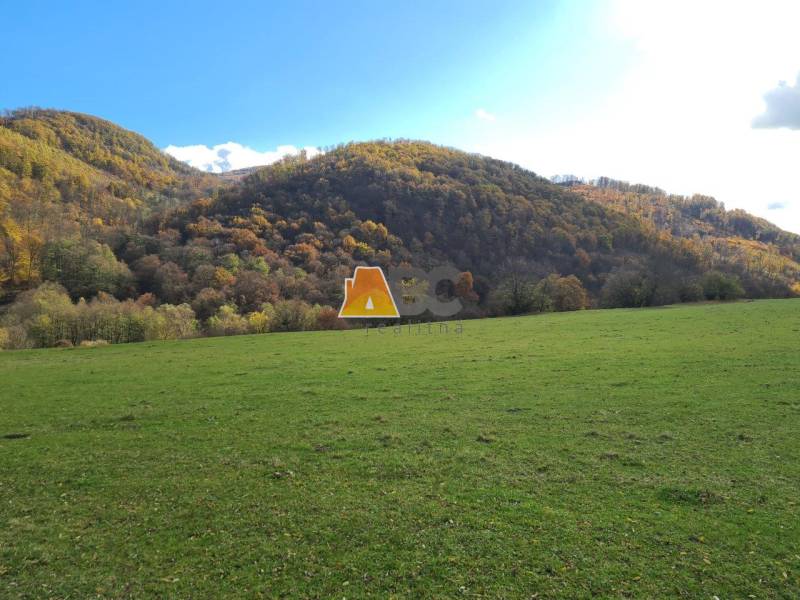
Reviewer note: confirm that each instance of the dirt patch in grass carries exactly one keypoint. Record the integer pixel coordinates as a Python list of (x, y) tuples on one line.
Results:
[(689, 497), (388, 440)]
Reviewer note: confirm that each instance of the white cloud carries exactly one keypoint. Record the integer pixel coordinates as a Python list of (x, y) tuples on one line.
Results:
[(681, 117), (783, 107), (484, 115), (231, 156)]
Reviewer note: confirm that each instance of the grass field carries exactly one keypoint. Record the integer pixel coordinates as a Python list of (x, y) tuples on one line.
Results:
[(625, 453)]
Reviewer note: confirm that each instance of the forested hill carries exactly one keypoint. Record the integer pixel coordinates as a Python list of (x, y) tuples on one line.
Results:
[(94, 166), (102, 212), (733, 237), (384, 203), (687, 216), (99, 143), (69, 178), (432, 204)]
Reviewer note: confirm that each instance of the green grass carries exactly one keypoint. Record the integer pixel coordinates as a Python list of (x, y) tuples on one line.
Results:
[(624, 453)]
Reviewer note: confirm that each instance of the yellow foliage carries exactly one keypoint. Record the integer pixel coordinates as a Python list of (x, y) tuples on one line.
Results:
[(258, 322), (223, 277), (349, 243)]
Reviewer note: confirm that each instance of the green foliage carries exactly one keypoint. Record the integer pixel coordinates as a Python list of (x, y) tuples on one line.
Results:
[(628, 288), (47, 317), (418, 201), (227, 321), (169, 322), (63, 173), (293, 315), (85, 268), (230, 262), (517, 294), (257, 264), (719, 286)]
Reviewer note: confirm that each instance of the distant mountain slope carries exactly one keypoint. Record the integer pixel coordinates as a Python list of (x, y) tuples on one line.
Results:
[(237, 175), (97, 208), (77, 156), (686, 216), (101, 144), (67, 174), (755, 245), (436, 205)]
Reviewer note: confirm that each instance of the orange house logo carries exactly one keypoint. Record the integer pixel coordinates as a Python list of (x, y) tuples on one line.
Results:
[(367, 295)]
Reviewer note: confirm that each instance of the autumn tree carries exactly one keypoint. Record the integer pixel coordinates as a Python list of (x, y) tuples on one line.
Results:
[(171, 283), (252, 289), (207, 302), (560, 294)]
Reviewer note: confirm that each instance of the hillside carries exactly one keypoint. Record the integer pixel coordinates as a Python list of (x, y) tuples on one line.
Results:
[(608, 454), (102, 212), (442, 205), (753, 244), (99, 143), (412, 201), (67, 175), (688, 216), (237, 175)]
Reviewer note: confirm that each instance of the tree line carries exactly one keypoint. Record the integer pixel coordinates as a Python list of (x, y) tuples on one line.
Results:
[(123, 230)]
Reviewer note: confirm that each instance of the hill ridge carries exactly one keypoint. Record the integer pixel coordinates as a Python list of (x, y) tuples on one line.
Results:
[(91, 214)]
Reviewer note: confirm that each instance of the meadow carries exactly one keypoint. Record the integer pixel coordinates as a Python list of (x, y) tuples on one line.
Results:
[(612, 453)]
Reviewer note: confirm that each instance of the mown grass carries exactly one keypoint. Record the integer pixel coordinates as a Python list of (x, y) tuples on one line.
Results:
[(626, 453)]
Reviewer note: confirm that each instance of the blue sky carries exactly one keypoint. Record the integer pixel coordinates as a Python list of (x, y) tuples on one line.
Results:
[(306, 73), (665, 94)]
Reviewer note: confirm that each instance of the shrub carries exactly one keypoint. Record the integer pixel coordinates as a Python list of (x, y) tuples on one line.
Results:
[(93, 343), (45, 317), (627, 288), (227, 321), (719, 286), (178, 322), (294, 315), (328, 318), (514, 295), (15, 338), (559, 294), (691, 291), (258, 322)]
